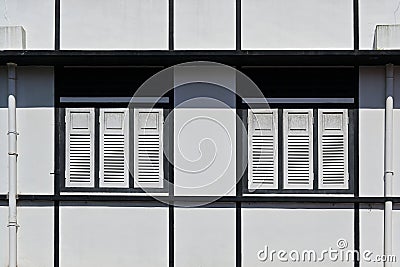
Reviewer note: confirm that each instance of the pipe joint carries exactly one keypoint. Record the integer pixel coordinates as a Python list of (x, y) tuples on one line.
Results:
[(13, 224), (12, 132)]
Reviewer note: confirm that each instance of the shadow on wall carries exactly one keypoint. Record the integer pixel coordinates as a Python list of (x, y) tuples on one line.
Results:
[(373, 85), (35, 87)]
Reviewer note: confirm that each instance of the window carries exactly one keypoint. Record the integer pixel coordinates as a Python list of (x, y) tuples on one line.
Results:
[(99, 155), (299, 150)]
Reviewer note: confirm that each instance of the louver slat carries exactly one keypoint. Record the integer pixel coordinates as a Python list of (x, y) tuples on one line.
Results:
[(333, 131), (262, 154), (79, 170), (149, 150), (298, 149), (113, 148)]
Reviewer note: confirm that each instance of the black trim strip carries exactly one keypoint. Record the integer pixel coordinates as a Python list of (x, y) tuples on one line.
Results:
[(238, 25), (171, 25), (170, 200), (356, 22), (57, 30), (231, 57)]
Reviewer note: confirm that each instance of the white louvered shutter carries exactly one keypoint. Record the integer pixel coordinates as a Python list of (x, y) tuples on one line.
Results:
[(298, 148), (262, 149), (114, 148), (333, 149), (79, 171), (148, 159)]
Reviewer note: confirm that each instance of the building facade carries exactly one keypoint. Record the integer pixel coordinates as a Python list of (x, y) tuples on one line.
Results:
[(199, 133)]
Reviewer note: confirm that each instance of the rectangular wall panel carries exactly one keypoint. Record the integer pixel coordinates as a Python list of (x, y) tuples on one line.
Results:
[(109, 234), (37, 19), (3, 132), (35, 234), (114, 25), (372, 13), (303, 24), (205, 236), (316, 227), (371, 233), (204, 24), (35, 125), (371, 131)]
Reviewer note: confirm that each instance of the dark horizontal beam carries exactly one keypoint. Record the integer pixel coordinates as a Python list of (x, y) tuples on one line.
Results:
[(236, 58), (205, 199)]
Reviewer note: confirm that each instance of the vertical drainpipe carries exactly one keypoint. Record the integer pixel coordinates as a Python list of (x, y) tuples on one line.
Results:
[(12, 164), (388, 234)]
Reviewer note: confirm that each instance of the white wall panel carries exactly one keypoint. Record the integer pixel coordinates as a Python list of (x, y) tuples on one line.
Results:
[(302, 24), (113, 235), (396, 133), (295, 227), (3, 234), (371, 130), (37, 18), (114, 25), (204, 24), (371, 232), (205, 132), (35, 235), (35, 124), (396, 233), (205, 236), (3, 133), (374, 13)]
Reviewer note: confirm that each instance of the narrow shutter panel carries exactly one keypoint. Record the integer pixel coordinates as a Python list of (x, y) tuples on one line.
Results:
[(333, 149), (148, 148), (262, 149), (114, 148), (298, 149), (79, 170)]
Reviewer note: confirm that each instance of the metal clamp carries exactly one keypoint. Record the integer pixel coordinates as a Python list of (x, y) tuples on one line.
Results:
[(12, 132)]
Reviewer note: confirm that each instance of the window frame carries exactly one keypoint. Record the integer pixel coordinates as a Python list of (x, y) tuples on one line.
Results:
[(242, 111), (61, 156)]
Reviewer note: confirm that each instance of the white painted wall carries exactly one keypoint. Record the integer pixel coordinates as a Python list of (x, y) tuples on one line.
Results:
[(114, 25), (374, 13), (3, 132), (294, 227), (396, 233), (35, 234), (302, 24), (204, 24), (35, 124), (113, 235), (371, 130), (3, 234), (371, 232), (396, 133), (37, 18), (205, 236), (204, 160)]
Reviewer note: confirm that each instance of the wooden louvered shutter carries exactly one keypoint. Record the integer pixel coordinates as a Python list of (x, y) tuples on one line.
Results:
[(333, 149), (114, 148), (79, 171), (298, 149), (148, 159), (262, 149)]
